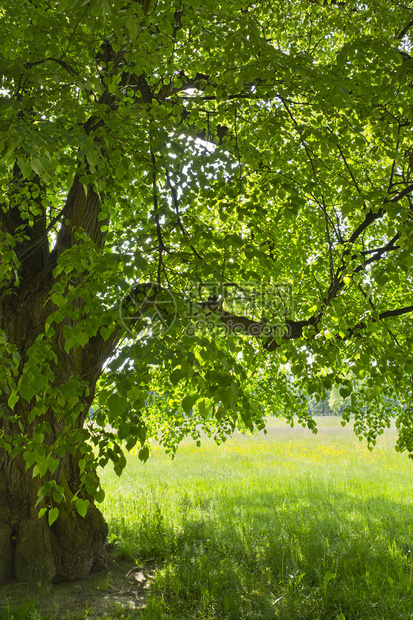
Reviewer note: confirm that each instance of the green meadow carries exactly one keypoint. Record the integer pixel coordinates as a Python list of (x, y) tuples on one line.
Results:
[(285, 525)]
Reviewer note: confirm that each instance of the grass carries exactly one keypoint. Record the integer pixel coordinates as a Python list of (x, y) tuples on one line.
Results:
[(284, 526)]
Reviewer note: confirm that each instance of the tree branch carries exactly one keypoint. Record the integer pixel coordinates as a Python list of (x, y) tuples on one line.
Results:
[(383, 315), (289, 330), (371, 216), (404, 31), (59, 61)]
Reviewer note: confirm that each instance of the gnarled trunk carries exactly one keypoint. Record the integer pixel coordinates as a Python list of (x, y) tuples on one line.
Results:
[(31, 550), (38, 367)]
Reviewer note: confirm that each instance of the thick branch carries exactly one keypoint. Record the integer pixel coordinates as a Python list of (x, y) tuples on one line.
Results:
[(290, 330), (80, 211)]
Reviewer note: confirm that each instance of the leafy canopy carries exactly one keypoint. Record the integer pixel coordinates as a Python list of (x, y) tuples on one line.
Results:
[(220, 195)]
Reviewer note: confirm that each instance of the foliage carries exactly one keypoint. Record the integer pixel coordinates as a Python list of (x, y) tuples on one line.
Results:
[(201, 194), (334, 404), (321, 407)]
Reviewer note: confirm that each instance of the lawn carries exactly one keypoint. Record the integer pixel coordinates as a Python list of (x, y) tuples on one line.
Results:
[(287, 525)]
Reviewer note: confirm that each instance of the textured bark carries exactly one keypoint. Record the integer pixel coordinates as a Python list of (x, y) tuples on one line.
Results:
[(33, 552), (30, 550)]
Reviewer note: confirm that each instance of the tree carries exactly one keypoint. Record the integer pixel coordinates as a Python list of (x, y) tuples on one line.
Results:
[(193, 196), (336, 402), (321, 407)]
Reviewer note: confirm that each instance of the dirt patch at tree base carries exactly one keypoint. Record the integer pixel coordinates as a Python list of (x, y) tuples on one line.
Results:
[(119, 592)]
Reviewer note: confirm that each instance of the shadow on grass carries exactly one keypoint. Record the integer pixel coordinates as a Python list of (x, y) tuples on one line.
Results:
[(117, 594), (296, 553), (292, 556)]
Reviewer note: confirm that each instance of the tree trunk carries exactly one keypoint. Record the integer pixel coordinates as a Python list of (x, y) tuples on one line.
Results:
[(38, 367), (30, 550), (33, 552)]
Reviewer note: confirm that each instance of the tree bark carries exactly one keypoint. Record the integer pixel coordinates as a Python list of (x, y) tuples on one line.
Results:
[(33, 552), (30, 550)]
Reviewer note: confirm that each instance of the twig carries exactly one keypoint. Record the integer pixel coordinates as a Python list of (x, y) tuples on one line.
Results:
[(161, 246), (176, 207)]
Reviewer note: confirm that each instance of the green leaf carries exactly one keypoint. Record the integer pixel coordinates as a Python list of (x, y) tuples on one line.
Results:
[(12, 400), (70, 344), (4, 268), (28, 390), (117, 404), (99, 495), (220, 413), (188, 403), (57, 299), (144, 454), (25, 168), (41, 466), (132, 27), (105, 332), (176, 376), (82, 506), (53, 515), (37, 166), (239, 82), (203, 410), (82, 339), (29, 458), (58, 493), (92, 158), (52, 464)]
